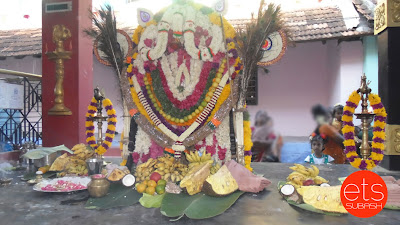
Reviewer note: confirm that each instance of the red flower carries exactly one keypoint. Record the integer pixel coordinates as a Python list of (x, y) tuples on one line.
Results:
[(211, 150), (135, 157), (221, 153)]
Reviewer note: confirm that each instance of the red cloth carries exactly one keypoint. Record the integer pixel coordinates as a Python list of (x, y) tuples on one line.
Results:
[(247, 181)]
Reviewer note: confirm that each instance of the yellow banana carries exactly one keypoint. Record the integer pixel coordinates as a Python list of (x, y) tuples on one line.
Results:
[(189, 157), (315, 170), (197, 157), (203, 157)]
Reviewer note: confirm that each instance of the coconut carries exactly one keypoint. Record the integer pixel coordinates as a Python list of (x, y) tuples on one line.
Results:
[(128, 180), (289, 192), (221, 183)]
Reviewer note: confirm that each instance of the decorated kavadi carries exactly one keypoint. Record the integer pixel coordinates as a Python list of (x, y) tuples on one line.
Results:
[(183, 79)]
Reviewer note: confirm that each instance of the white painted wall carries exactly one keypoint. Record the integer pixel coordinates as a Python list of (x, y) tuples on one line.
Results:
[(293, 86), (308, 74)]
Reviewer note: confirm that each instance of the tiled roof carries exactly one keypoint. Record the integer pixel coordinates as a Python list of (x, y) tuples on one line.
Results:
[(303, 25), (20, 42), (366, 8), (315, 24)]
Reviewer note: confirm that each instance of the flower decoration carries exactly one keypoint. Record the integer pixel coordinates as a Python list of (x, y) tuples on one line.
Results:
[(179, 75), (111, 123), (378, 132), (248, 144)]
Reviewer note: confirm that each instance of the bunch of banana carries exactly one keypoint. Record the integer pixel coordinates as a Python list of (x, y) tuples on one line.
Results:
[(308, 172), (81, 151), (166, 166), (195, 159), (77, 169), (215, 168), (302, 173), (74, 166)]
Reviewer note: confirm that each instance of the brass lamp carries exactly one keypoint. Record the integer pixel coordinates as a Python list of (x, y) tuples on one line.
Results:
[(60, 34), (365, 116)]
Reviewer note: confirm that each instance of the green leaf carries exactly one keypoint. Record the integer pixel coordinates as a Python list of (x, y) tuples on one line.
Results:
[(392, 207), (151, 201), (311, 208), (117, 196), (199, 206), (341, 179), (42, 152), (280, 184)]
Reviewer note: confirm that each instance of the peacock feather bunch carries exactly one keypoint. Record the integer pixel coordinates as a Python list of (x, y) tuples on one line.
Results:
[(250, 40)]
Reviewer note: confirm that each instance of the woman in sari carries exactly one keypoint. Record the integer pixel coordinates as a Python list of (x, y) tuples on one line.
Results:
[(334, 146)]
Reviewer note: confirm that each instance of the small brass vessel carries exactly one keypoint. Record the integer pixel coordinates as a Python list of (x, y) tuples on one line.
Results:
[(98, 186)]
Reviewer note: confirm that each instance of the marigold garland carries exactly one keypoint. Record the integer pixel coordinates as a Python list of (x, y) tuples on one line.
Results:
[(378, 132), (248, 144), (111, 123)]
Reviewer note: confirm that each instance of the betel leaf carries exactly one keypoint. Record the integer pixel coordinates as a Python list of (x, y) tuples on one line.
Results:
[(199, 206), (151, 201), (118, 195), (391, 207)]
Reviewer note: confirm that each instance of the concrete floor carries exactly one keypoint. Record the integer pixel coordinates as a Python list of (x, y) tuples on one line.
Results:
[(20, 205)]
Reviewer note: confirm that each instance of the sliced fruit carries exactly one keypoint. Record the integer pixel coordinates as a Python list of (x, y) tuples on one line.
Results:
[(221, 183), (323, 198), (193, 181)]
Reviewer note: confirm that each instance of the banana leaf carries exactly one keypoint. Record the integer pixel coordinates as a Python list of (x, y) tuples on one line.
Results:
[(32, 175), (151, 201), (341, 179), (44, 151), (199, 206), (391, 207), (306, 206), (118, 195)]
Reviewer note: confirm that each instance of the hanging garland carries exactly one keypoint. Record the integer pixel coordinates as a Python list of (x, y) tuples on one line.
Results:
[(111, 123), (378, 132), (247, 140)]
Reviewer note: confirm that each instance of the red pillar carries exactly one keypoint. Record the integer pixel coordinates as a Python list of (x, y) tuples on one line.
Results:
[(78, 74)]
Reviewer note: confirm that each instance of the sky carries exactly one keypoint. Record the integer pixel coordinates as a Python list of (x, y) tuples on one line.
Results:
[(23, 14)]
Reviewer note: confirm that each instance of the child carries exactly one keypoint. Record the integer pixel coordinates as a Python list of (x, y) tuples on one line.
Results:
[(337, 117), (317, 145)]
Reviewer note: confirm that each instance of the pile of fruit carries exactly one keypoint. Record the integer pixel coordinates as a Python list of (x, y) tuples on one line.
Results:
[(195, 159), (73, 164), (154, 185), (303, 176), (165, 166)]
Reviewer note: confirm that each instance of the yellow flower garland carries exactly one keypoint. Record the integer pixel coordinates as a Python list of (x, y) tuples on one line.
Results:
[(248, 144), (378, 131), (111, 124)]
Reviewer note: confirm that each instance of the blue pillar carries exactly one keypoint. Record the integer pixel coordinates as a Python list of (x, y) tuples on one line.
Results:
[(371, 61)]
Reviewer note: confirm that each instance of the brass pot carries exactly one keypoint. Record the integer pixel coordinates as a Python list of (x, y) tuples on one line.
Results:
[(98, 186)]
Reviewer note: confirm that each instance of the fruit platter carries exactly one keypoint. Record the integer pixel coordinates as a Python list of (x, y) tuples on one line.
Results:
[(65, 184), (304, 189)]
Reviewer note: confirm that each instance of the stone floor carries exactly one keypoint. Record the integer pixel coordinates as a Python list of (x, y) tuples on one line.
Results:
[(19, 205)]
